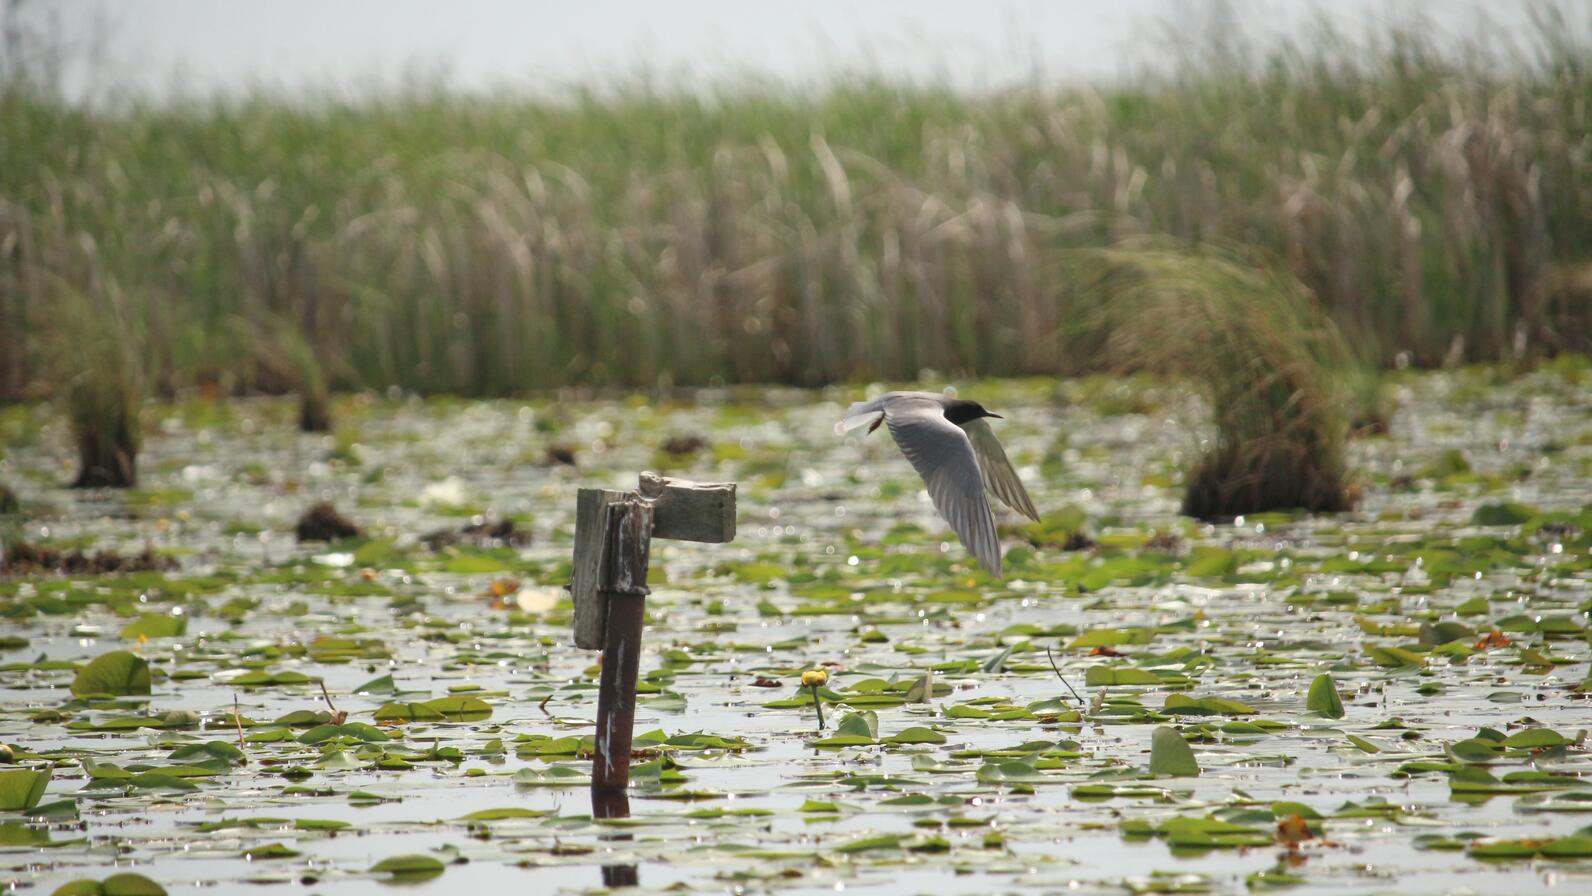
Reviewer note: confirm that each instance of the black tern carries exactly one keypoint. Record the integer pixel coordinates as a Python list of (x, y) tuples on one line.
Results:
[(958, 456)]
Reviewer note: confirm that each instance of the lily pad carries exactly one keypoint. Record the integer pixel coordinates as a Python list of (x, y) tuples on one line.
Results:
[(117, 673), (155, 625), (1170, 754), (124, 884), (21, 789), (411, 867), (1323, 698)]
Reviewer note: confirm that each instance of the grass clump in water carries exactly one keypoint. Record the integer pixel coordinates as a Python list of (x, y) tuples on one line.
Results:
[(1559, 311), (1268, 361), (98, 361), (284, 357)]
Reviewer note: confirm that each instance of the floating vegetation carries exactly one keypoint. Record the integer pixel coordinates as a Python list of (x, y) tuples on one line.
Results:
[(1271, 701), (503, 533), (559, 455), (20, 558), (324, 522)]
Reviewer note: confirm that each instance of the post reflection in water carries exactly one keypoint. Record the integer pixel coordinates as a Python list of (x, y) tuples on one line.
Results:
[(614, 804)]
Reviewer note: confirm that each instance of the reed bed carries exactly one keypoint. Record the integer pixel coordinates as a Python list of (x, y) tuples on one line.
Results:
[(1435, 207)]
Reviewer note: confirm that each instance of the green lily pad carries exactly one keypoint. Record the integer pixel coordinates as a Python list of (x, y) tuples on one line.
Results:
[(1508, 513), (117, 673), (155, 625), (916, 735), (505, 813), (124, 884), (1323, 698), (21, 789), (460, 709), (1170, 754), (409, 867)]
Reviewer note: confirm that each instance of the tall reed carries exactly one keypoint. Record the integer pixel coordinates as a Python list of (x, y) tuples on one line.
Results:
[(1435, 205)]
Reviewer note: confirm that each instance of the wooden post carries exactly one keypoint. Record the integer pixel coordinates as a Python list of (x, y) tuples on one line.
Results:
[(608, 583), (624, 595)]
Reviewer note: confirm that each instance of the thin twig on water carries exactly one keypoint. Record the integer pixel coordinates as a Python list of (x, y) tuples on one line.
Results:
[(237, 719), (337, 718), (1063, 678)]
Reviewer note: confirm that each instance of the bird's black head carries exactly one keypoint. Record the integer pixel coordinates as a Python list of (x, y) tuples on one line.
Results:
[(960, 411)]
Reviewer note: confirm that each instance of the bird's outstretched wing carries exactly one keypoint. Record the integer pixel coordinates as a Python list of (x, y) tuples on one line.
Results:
[(942, 454), (998, 473), (860, 413)]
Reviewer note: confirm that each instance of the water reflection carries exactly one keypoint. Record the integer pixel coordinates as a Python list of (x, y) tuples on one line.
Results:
[(614, 804)]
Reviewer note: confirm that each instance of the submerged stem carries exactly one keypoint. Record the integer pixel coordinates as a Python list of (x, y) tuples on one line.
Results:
[(1063, 678), (237, 719)]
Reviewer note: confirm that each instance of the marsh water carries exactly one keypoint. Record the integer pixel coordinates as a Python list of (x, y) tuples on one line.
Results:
[(1449, 610)]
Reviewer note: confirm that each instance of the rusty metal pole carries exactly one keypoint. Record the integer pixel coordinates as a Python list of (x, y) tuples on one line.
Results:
[(624, 595)]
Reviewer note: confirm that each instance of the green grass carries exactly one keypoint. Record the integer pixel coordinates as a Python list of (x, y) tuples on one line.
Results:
[(1273, 371), (285, 360), (97, 353), (1435, 206)]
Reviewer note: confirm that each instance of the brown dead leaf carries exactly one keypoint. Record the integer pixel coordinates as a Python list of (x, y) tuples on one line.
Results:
[(1293, 830), (1492, 640)]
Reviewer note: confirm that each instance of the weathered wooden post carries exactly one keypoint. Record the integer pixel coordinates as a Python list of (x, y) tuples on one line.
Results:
[(608, 583)]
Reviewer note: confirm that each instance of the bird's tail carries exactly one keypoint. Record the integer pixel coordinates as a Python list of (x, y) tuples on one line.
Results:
[(861, 413)]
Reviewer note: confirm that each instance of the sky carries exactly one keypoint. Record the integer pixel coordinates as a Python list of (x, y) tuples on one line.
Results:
[(203, 47)]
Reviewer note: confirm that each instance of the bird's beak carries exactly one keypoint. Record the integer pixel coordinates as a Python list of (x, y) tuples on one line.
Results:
[(996, 416)]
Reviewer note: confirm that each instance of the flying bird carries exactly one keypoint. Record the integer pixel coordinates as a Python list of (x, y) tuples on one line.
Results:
[(958, 456)]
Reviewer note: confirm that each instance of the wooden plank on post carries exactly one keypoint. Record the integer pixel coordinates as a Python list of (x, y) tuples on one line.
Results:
[(586, 574), (690, 511)]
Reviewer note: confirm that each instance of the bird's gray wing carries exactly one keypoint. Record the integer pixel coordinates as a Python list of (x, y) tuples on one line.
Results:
[(998, 472), (860, 413), (941, 453)]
